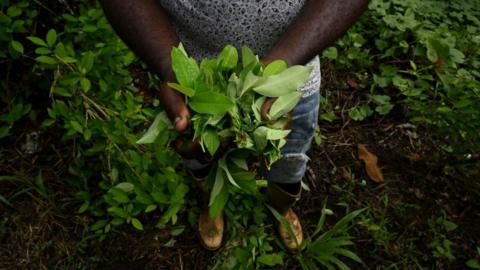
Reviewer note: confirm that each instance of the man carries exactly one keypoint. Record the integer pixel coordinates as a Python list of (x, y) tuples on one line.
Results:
[(292, 30)]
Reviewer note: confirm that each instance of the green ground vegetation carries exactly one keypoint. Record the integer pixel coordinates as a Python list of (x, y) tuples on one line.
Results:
[(74, 100)]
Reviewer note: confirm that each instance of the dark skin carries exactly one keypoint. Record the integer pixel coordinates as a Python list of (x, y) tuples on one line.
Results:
[(146, 28)]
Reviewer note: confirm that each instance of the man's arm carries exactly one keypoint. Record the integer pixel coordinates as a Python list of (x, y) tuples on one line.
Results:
[(319, 24), (146, 28)]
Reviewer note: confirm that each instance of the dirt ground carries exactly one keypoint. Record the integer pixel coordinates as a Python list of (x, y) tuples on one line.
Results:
[(41, 233)]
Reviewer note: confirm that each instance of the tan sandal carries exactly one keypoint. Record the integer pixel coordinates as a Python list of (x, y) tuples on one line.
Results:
[(210, 231)]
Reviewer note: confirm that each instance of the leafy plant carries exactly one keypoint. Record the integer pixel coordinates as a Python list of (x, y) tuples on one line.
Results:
[(424, 56), (226, 97)]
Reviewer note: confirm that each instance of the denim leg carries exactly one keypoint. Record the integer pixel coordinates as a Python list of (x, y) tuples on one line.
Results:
[(292, 165)]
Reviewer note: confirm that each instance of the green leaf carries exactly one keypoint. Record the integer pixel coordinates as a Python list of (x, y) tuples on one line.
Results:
[(150, 208), (330, 53), (17, 46), (117, 211), (14, 11), (473, 263), (219, 203), (240, 162), (46, 60), (223, 165), (37, 41), (361, 112), (187, 91), (270, 259), (211, 140), (250, 81), (275, 67), (84, 207), (125, 186), (51, 37), (248, 57), (283, 83), (98, 225), (76, 126), (228, 57), (137, 224), (185, 68), (86, 63), (4, 130), (159, 124), (210, 102), (260, 138), (284, 104), (217, 186), (42, 50), (85, 84), (119, 195)]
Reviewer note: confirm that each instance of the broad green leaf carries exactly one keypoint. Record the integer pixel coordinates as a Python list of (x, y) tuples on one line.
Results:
[(76, 126), (270, 259), (118, 211), (98, 225), (250, 81), (42, 50), (228, 57), (46, 60), (248, 57), (283, 83), (217, 186), (210, 102), (137, 224), (37, 41), (159, 124), (330, 53), (276, 134), (4, 130), (260, 138), (275, 67), (284, 104), (119, 195), (51, 37), (17, 46), (86, 63), (211, 140), (218, 203), (85, 84), (473, 263), (187, 91), (257, 108), (185, 68), (223, 165), (150, 208), (125, 186), (240, 162)]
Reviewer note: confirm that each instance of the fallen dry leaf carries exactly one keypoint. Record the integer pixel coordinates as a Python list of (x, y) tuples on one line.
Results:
[(371, 164)]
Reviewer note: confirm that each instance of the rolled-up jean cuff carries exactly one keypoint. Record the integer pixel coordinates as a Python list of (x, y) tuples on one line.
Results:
[(289, 169)]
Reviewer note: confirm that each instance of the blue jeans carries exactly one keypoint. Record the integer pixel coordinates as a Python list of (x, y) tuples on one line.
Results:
[(293, 163)]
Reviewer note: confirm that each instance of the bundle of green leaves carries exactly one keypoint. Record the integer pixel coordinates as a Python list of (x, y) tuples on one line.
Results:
[(225, 97)]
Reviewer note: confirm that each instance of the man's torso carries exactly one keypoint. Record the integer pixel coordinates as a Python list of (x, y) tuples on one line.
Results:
[(206, 26)]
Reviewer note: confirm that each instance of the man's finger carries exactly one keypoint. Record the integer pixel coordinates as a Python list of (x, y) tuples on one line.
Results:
[(266, 107), (174, 104)]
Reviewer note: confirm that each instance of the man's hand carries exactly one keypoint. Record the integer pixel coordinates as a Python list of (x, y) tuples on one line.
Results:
[(174, 104), (147, 29)]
